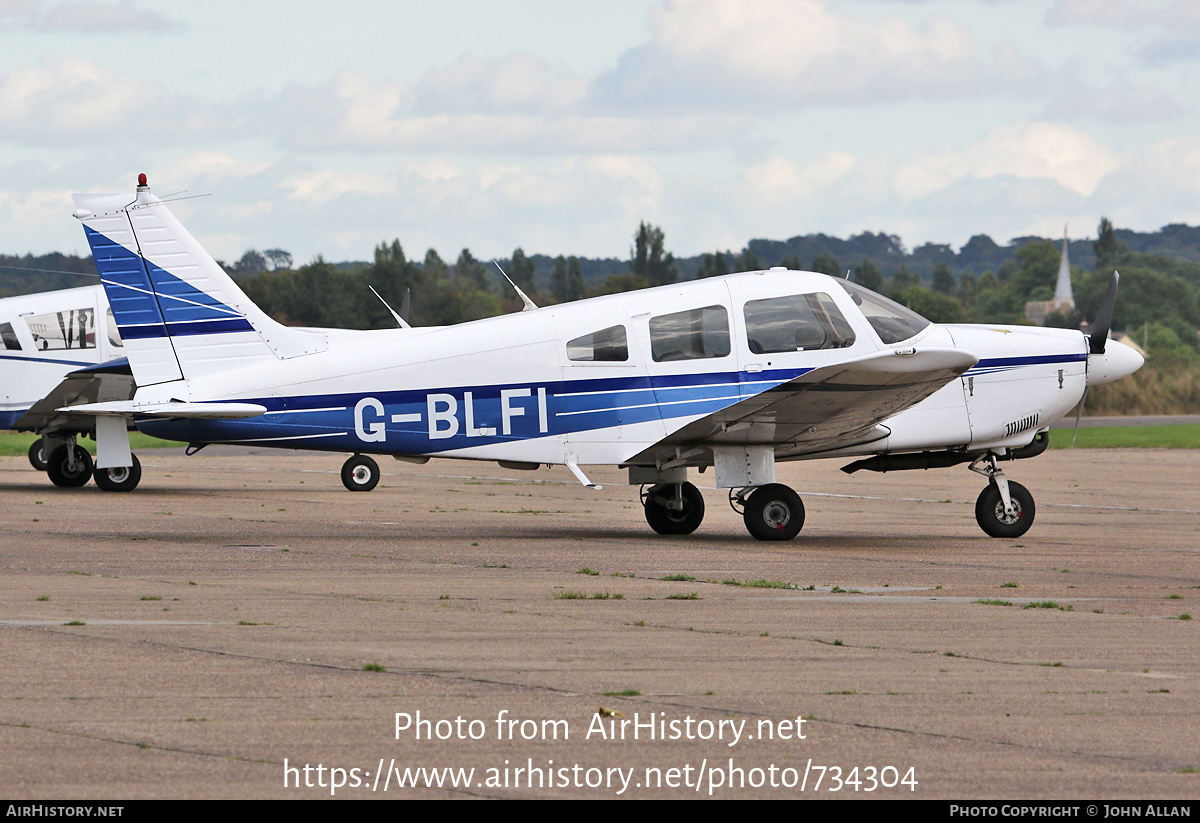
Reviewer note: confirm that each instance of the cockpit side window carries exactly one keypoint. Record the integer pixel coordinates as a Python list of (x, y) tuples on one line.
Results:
[(10, 337), (690, 335), (607, 345), (797, 322), (891, 321)]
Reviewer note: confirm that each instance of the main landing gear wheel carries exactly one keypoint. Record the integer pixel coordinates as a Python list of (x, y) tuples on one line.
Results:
[(995, 521), (360, 473), (119, 478), (60, 470), (774, 512), (37, 455), (674, 509)]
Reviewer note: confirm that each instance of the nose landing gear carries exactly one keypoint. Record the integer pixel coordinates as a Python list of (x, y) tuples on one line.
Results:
[(1004, 508)]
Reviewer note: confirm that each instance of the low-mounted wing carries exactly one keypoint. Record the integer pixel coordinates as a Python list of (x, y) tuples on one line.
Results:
[(106, 382), (172, 410), (821, 410)]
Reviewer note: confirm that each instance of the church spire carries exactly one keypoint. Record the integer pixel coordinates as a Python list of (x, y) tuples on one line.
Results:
[(1064, 300)]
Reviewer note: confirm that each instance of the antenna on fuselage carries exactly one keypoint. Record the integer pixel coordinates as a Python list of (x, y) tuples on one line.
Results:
[(403, 307), (847, 277), (529, 304)]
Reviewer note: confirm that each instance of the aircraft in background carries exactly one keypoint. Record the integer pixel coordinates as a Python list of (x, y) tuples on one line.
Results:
[(47, 337), (52, 358), (735, 373)]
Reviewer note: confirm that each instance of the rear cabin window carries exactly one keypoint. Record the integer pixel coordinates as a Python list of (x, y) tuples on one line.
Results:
[(605, 346), (797, 322), (71, 329), (695, 334), (9, 337)]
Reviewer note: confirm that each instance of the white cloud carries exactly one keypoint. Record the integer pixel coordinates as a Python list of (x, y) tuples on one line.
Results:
[(1050, 151), (1124, 13), (779, 181), (88, 17), (73, 101), (323, 186), (520, 82), (69, 93), (788, 53)]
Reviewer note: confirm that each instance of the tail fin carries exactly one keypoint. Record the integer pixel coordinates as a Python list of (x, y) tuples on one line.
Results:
[(178, 312)]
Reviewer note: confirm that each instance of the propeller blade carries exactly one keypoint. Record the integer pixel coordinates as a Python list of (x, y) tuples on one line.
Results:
[(406, 304), (1099, 338)]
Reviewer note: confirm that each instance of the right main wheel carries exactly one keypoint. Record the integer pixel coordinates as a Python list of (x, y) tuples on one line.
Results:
[(119, 478), (60, 472), (665, 520), (995, 522), (774, 512), (360, 473)]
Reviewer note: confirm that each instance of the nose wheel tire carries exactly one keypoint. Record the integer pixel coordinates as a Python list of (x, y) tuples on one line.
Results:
[(665, 518), (774, 512), (360, 473), (119, 478), (60, 472), (995, 521), (37, 455)]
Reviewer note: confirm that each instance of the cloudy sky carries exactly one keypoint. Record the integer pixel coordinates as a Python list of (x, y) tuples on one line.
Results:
[(324, 128)]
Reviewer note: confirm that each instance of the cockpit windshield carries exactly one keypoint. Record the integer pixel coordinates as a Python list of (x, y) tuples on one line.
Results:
[(891, 321)]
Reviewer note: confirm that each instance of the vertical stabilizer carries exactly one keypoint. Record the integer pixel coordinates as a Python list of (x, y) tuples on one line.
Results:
[(180, 315)]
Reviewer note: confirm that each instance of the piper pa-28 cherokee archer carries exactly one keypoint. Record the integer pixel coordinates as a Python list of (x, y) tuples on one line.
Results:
[(735, 372)]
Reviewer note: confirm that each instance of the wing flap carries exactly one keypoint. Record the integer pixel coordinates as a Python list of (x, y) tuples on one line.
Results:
[(824, 409), (204, 411)]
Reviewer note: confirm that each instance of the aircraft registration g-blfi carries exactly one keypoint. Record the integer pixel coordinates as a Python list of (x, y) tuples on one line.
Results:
[(736, 373)]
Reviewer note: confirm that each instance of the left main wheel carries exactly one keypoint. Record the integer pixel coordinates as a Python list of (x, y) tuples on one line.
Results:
[(360, 473), (119, 478), (995, 521), (37, 455), (667, 520), (774, 512), (59, 469)]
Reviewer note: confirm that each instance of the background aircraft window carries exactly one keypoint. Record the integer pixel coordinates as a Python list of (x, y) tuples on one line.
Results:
[(10, 337), (690, 335), (607, 345), (71, 329), (798, 322), (891, 321), (114, 336)]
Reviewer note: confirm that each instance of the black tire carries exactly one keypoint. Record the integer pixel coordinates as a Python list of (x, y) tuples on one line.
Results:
[(37, 455), (58, 471), (667, 521), (774, 512), (989, 511), (119, 479), (360, 473)]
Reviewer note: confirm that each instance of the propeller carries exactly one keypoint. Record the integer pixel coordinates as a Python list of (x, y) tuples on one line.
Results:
[(1099, 338)]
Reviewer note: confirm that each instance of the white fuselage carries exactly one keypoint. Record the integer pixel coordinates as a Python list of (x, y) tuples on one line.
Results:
[(507, 388)]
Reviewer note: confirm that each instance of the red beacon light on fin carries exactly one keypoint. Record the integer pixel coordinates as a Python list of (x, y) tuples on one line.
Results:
[(142, 180)]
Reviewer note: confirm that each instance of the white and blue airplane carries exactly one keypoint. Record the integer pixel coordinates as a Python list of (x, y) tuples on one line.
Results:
[(734, 373), (46, 337)]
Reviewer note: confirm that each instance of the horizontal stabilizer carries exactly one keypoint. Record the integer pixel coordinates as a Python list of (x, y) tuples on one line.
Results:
[(206, 411)]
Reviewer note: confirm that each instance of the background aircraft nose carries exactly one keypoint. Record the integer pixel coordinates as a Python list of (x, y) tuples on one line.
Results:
[(1116, 361)]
